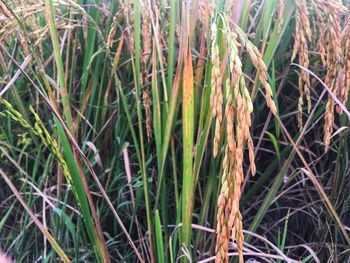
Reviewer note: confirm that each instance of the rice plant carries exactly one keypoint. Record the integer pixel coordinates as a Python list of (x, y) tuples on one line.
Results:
[(174, 131)]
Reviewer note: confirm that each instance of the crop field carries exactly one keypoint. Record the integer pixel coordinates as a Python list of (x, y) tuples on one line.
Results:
[(174, 131)]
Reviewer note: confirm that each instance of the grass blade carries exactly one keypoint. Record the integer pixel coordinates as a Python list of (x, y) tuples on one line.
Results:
[(187, 140), (159, 238), (59, 64)]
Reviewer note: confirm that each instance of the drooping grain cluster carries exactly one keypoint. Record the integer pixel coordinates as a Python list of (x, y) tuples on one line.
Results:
[(333, 58), (39, 130), (146, 34), (238, 107), (331, 54), (319, 26), (256, 58), (259, 64), (231, 177), (333, 46), (280, 13), (344, 85), (216, 98), (127, 8), (28, 13), (301, 42), (111, 34)]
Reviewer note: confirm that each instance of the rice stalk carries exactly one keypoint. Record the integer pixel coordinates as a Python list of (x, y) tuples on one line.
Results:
[(136, 71), (50, 17), (146, 34)]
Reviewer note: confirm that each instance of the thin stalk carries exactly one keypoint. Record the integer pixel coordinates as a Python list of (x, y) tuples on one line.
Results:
[(50, 17), (89, 48), (136, 69), (170, 117), (171, 46), (176, 185)]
